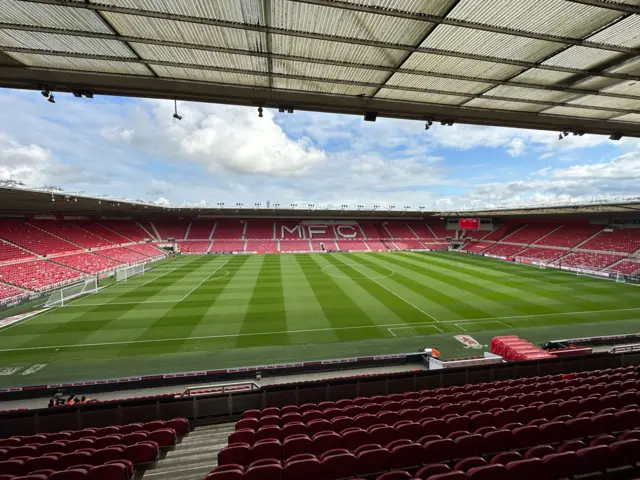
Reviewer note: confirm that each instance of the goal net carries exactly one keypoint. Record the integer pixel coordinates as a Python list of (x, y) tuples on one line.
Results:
[(602, 274), (123, 274), (59, 297)]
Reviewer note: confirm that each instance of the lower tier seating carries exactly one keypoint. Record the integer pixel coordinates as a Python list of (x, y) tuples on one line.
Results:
[(504, 250), (294, 246), (36, 275), (589, 260), (265, 246), (409, 244), (627, 240), (223, 246), (352, 245), (542, 253), (146, 249), (122, 254), (8, 253), (628, 267), (316, 245), (197, 246), (87, 262), (377, 246), (476, 247), (9, 291)]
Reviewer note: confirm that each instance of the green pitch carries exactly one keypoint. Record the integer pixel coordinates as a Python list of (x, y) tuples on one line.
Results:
[(210, 312)]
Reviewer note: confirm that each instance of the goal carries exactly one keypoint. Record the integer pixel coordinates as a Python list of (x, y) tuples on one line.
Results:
[(604, 274), (123, 274), (59, 297)]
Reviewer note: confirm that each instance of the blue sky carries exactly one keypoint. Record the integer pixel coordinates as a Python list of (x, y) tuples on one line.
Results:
[(134, 148)]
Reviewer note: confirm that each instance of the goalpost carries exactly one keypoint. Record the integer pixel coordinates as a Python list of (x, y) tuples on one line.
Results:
[(613, 275), (59, 297), (123, 274)]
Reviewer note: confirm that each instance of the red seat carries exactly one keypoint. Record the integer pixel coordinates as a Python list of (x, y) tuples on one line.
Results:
[(164, 437), (354, 438), (40, 463), (593, 459), (528, 469), (373, 461), (264, 472), (296, 444), (539, 451), (69, 475), (324, 441), (269, 431), (318, 425), (449, 476), (130, 428), (309, 469), (469, 463), (489, 472), (468, 445), (179, 425), (405, 456), (106, 455), (506, 457), (133, 438), (397, 475), (411, 431), (438, 451), (226, 475), (235, 454), (76, 458), (561, 465), (624, 452), (245, 435), (382, 434), (141, 453), (107, 441), (340, 466), (266, 449), (433, 469), (111, 471)]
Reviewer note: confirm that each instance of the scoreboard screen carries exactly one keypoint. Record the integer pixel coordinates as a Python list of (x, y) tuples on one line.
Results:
[(469, 223)]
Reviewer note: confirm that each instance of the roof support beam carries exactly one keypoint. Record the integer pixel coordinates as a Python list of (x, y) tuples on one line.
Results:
[(186, 90), (377, 86), (390, 12), (406, 48), (619, 7), (553, 88), (266, 4)]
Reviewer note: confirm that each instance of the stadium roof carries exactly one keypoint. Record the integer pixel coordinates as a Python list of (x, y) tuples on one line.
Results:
[(17, 199), (564, 65)]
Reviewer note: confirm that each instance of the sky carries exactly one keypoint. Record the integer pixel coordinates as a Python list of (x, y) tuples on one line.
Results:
[(133, 148)]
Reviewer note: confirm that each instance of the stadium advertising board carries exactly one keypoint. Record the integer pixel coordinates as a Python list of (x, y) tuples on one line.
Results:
[(469, 223)]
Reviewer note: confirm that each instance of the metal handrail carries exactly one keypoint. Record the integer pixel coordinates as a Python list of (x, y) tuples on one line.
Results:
[(222, 387)]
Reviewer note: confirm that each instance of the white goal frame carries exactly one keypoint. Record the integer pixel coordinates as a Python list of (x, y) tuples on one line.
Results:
[(59, 297), (123, 274)]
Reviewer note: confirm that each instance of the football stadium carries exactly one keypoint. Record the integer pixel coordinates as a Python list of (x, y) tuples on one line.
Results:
[(319, 341)]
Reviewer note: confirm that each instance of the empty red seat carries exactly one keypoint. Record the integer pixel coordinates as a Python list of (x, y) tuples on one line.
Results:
[(489, 472), (396, 475), (561, 465), (373, 461), (141, 453), (593, 459), (449, 476), (164, 437), (264, 472), (113, 471), (266, 449), (405, 456), (433, 469), (69, 475), (343, 465), (528, 469), (309, 469), (245, 435), (296, 444), (226, 475), (324, 441)]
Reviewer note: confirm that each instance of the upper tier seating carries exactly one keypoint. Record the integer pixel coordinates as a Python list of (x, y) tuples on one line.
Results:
[(262, 246), (34, 239), (102, 231), (196, 246), (87, 262), (542, 253), (149, 228), (476, 246), (108, 453), (504, 250), (201, 229), (9, 253), (501, 232), (36, 275), (294, 246), (72, 233), (399, 230), (225, 246), (146, 249), (589, 260), (228, 229), (626, 241), (440, 231), (627, 267), (407, 244), (259, 229), (291, 230), (171, 229), (435, 245), (422, 230), (9, 291), (374, 230), (127, 228), (569, 235), (352, 245), (122, 254), (329, 245), (529, 233)]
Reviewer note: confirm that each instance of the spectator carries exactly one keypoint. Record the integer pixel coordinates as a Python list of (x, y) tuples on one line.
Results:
[(52, 403), (70, 400)]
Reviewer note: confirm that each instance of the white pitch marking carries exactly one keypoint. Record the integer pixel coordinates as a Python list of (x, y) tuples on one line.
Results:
[(411, 326), (194, 288), (389, 290), (311, 330), (459, 325), (391, 332)]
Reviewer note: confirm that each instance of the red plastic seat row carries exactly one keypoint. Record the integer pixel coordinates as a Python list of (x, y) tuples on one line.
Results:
[(179, 425), (541, 463), (550, 404), (438, 396)]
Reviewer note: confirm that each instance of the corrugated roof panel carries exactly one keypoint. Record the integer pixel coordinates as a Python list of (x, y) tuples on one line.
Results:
[(335, 51), (51, 16), (240, 11), (549, 17), (427, 62), (523, 93), (81, 64), (503, 105), (322, 87), (63, 43), (437, 83), (629, 117), (626, 87), (200, 57), (542, 77), (631, 67), (479, 42), (421, 97), (432, 7), (330, 72), (625, 33), (210, 76), (579, 112), (608, 102), (182, 32), (581, 58), (346, 23), (595, 83)]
